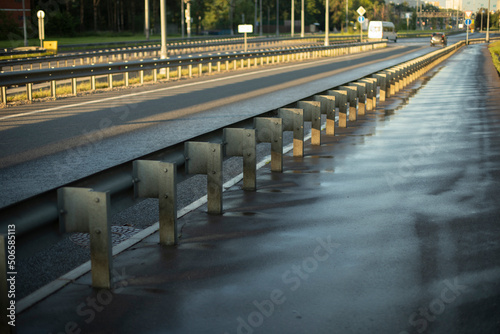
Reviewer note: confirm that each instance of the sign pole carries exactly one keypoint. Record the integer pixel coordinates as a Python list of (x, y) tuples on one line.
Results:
[(360, 31), (41, 26)]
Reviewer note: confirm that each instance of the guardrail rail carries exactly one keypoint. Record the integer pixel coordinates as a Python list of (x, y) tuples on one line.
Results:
[(86, 204)]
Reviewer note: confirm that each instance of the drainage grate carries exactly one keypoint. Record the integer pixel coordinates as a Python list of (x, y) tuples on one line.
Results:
[(118, 234)]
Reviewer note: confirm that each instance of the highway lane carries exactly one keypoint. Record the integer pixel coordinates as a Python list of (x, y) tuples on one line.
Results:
[(47, 145)]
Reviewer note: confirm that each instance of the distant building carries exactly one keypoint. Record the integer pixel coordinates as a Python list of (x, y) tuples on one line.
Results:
[(14, 8)]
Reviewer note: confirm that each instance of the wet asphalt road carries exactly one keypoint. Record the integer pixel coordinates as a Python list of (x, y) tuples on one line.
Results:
[(391, 226), (61, 141)]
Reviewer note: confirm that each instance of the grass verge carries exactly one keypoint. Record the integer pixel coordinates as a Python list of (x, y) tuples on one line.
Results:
[(495, 54)]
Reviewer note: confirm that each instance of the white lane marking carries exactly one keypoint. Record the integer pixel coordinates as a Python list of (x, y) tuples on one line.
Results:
[(164, 89)]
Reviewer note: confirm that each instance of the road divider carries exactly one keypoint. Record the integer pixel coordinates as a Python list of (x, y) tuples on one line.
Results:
[(202, 63), (86, 205)]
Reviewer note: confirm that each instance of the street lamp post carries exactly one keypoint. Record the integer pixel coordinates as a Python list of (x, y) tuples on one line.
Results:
[(488, 24), (277, 17), (183, 18), (146, 19), (327, 23), (293, 17), (346, 16), (302, 19), (163, 22), (261, 23), (24, 26)]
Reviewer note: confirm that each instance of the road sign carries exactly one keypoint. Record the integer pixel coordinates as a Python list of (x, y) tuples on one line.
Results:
[(468, 22), (361, 11), (361, 19), (242, 28), (468, 13)]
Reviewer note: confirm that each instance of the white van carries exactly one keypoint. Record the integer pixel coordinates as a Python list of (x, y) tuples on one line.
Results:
[(382, 30)]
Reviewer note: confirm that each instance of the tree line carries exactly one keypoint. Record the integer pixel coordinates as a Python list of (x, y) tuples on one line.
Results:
[(73, 17)]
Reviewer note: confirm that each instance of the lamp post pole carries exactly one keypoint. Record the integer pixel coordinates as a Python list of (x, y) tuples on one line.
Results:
[(163, 21), (302, 19), (488, 24), (346, 16), (327, 23)]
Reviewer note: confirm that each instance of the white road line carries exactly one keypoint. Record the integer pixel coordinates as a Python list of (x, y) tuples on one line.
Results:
[(164, 89)]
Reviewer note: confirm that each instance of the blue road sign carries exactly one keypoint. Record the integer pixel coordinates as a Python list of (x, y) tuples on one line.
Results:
[(361, 19), (468, 22)]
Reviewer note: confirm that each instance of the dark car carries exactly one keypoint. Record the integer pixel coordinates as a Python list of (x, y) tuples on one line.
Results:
[(438, 38)]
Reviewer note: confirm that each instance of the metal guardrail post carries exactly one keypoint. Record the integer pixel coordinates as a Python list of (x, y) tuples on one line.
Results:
[(293, 120), (382, 83), (312, 113), (327, 108), (242, 142), (270, 130), (157, 179), (85, 210), (29, 91), (110, 81), (73, 86), (53, 89), (352, 97), (371, 93), (341, 102), (4, 95), (206, 158), (361, 87)]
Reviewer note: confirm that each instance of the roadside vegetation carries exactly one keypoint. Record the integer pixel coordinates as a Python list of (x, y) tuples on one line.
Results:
[(495, 54)]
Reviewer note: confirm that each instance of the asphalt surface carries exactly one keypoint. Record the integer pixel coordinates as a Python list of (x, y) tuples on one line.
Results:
[(71, 138), (392, 225), (62, 141)]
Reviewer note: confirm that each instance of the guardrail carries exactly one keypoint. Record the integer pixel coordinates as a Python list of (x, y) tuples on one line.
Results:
[(30, 77), (86, 204), (482, 40), (154, 51)]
